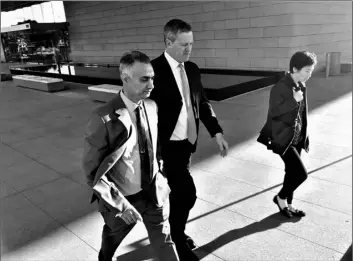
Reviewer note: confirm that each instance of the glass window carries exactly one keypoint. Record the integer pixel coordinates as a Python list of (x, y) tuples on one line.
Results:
[(48, 12)]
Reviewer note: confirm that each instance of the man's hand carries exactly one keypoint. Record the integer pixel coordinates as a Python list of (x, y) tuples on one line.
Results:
[(131, 216), (222, 144)]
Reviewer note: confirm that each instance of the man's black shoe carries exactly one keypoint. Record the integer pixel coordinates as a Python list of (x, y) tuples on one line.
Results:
[(190, 242), (185, 253)]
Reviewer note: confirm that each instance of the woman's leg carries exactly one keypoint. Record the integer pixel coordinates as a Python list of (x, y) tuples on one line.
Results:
[(295, 173)]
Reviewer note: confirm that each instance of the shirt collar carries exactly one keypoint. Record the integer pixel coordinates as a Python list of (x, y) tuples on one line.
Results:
[(172, 62), (290, 79), (130, 105)]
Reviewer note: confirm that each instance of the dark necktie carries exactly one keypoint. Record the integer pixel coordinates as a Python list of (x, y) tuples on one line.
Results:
[(192, 135), (145, 148)]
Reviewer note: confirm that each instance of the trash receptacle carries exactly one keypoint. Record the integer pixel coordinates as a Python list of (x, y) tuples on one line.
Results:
[(335, 63)]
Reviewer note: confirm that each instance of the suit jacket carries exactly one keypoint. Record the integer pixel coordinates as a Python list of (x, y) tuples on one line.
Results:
[(106, 139), (169, 100), (278, 132)]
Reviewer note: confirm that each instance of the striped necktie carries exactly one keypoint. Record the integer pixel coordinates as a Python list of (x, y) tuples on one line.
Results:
[(145, 147)]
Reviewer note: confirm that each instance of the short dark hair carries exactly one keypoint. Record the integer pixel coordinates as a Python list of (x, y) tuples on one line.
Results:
[(301, 59), (173, 27), (128, 60)]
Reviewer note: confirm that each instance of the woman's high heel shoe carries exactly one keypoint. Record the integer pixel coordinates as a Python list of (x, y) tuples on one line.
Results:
[(285, 211)]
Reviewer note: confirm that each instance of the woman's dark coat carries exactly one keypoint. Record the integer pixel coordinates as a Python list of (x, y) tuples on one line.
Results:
[(278, 132)]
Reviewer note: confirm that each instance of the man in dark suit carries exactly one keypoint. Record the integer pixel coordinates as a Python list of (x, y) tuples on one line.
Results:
[(181, 104), (123, 165)]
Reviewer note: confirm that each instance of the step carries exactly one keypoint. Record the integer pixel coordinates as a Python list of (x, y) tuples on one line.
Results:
[(103, 92), (47, 84)]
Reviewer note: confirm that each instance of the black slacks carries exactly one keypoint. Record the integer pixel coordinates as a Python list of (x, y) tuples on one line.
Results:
[(156, 223), (295, 172), (177, 157)]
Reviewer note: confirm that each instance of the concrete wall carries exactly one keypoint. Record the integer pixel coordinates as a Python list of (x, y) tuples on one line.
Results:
[(231, 35)]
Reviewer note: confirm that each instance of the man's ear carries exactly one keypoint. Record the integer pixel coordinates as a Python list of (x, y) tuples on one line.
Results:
[(168, 42), (295, 70), (125, 78)]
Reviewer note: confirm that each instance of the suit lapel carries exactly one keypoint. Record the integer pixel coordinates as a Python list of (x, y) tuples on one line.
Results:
[(172, 86), (121, 118), (121, 111)]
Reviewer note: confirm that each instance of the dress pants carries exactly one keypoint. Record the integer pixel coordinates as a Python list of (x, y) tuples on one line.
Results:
[(156, 222), (183, 191), (295, 172)]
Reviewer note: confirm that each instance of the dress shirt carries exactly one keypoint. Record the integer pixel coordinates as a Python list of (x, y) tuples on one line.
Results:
[(126, 173), (181, 128)]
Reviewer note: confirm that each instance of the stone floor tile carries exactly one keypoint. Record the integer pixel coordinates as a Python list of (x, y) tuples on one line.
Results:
[(28, 174), (220, 190), (89, 228), (321, 225), (231, 236), (78, 176), (335, 172), (258, 205), (326, 194), (22, 223), (10, 156), (256, 174), (259, 154), (64, 161), (60, 245), (6, 189), (60, 153), (62, 199)]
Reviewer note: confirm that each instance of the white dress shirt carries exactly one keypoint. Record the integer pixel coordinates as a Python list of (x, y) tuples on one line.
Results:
[(180, 132), (126, 173)]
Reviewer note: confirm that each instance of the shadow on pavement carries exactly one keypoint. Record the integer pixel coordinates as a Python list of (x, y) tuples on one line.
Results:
[(348, 255), (261, 192), (270, 222), (141, 253), (245, 126), (276, 216)]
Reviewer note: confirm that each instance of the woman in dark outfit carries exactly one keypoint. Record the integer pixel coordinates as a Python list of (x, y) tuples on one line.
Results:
[(285, 132)]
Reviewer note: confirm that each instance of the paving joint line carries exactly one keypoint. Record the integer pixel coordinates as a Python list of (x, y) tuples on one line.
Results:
[(271, 189), (59, 223), (234, 157), (34, 159), (329, 181), (226, 209), (227, 177)]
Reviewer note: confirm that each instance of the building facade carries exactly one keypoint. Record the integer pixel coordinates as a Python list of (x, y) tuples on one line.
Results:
[(227, 34)]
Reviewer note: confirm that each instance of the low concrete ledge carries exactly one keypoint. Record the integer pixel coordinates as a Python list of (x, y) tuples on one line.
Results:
[(39, 83), (103, 92), (6, 77)]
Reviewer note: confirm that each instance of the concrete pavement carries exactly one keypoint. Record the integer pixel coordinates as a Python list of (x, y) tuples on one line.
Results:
[(45, 210)]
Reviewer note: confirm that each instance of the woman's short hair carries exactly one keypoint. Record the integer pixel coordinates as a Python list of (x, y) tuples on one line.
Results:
[(302, 59), (128, 60), (173, 27)]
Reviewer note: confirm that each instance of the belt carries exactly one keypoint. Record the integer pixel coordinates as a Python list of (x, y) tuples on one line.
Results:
[(178, 141)]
